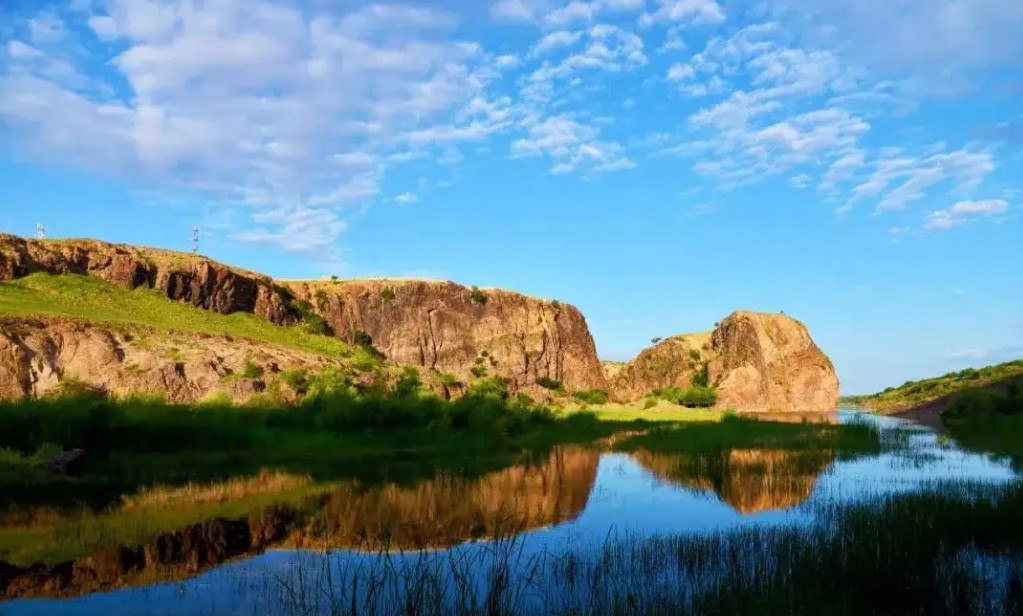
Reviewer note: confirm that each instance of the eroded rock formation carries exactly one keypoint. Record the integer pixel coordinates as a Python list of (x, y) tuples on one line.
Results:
[(439, 325), (758, 362), (180, 276), (37, 354), (748, 480)]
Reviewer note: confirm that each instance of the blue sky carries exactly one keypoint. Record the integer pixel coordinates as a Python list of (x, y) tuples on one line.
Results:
[(658, 163)]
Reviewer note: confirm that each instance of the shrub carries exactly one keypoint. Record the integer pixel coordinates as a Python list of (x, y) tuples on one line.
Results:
[(555, 303), (591, 396), (362, 338), (492, 387), (698, 397), (69, 387), (548, 383), (331, 382), (449, 380), (702, 378), (649, 403), (297, 379), (387, 293), (251, 370), (477, 296), (523, 399), (656, 340), (694, 355), (322, 299), (408, 383), (479, 370), (334, 279)]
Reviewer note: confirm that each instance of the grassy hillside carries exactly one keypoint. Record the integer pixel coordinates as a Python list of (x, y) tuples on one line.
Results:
[(914, 394), (92, 299)]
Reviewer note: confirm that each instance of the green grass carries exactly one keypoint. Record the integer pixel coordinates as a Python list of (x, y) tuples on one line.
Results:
[(952, 550), (916, 393), (662, 411), (745, 433), (92, 299)]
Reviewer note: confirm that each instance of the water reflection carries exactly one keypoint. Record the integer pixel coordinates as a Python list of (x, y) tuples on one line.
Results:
[(439, 513), (748, 480)]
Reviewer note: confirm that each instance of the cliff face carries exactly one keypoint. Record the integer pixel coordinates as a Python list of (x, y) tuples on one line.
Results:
[(180, 276), (428, 324), (748, 480), (759, 362), (438, 325), (37, 354)]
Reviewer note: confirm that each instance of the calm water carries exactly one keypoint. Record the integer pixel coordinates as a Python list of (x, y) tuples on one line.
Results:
[(575, 499)]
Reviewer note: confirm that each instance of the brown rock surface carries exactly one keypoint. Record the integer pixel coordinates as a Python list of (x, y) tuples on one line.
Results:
[(180, 276), (748, 480), (37, 354), (437, 325), (759, 362)]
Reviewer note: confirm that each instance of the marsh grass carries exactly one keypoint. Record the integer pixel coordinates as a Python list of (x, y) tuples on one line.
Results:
[(734, 432), (954, 549), (84, 297)]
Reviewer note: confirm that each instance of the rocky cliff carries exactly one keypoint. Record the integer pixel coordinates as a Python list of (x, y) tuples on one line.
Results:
[(758, 362), (180, 276), (446, 327), (37, 355), (435, 325)]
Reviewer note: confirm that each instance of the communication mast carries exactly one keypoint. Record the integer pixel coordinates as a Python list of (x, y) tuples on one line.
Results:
[(40, 231), (195, 240)]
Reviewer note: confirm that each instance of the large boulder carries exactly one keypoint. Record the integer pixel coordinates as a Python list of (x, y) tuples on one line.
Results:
[(450, 328), (759, 362)]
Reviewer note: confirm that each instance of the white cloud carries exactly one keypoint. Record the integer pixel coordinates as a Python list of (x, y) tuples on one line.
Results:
[(554, 40), (406, 198), (933, 40), (963, 211), (693, 11), (20, 51), (801, 181), (915, 175), (253, 102), (514, 10), (673, 41), (680, 72), (571, 146)]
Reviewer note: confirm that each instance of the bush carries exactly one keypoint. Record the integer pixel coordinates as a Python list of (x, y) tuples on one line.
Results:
[(387, 293), (555, 303), (698, 397), (694, 355), (449, 380), (477, 296), (650, 403), (702, 378), (491, 387), (547, 382), (656, 340), (297, 379), (251, 370), (69, 387), (591, 396), (479, 371), (408, 383), (362, 338)]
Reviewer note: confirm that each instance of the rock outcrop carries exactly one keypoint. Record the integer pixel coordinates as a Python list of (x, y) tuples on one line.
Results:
[(441, 326), (180, 276), (41, 355), (748, 480), (434, 325), (758, 362)]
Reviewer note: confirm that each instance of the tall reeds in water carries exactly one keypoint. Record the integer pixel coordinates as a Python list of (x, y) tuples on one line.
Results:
[(955, 549)]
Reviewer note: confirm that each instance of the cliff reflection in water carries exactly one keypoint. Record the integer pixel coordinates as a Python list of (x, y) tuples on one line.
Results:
[(438, 513), (449, 509), (748, 480)]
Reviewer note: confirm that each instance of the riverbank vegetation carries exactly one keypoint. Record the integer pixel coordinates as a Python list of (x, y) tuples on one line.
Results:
[(917, 393)]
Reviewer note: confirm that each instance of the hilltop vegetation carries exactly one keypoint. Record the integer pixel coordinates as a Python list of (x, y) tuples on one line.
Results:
[(92, 299), (914, 394)]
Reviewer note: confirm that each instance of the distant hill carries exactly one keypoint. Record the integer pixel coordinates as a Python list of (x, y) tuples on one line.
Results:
[(934, 393)]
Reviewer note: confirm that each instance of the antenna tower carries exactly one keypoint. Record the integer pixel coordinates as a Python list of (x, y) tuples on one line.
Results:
[(195, 240), (40, 231)]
